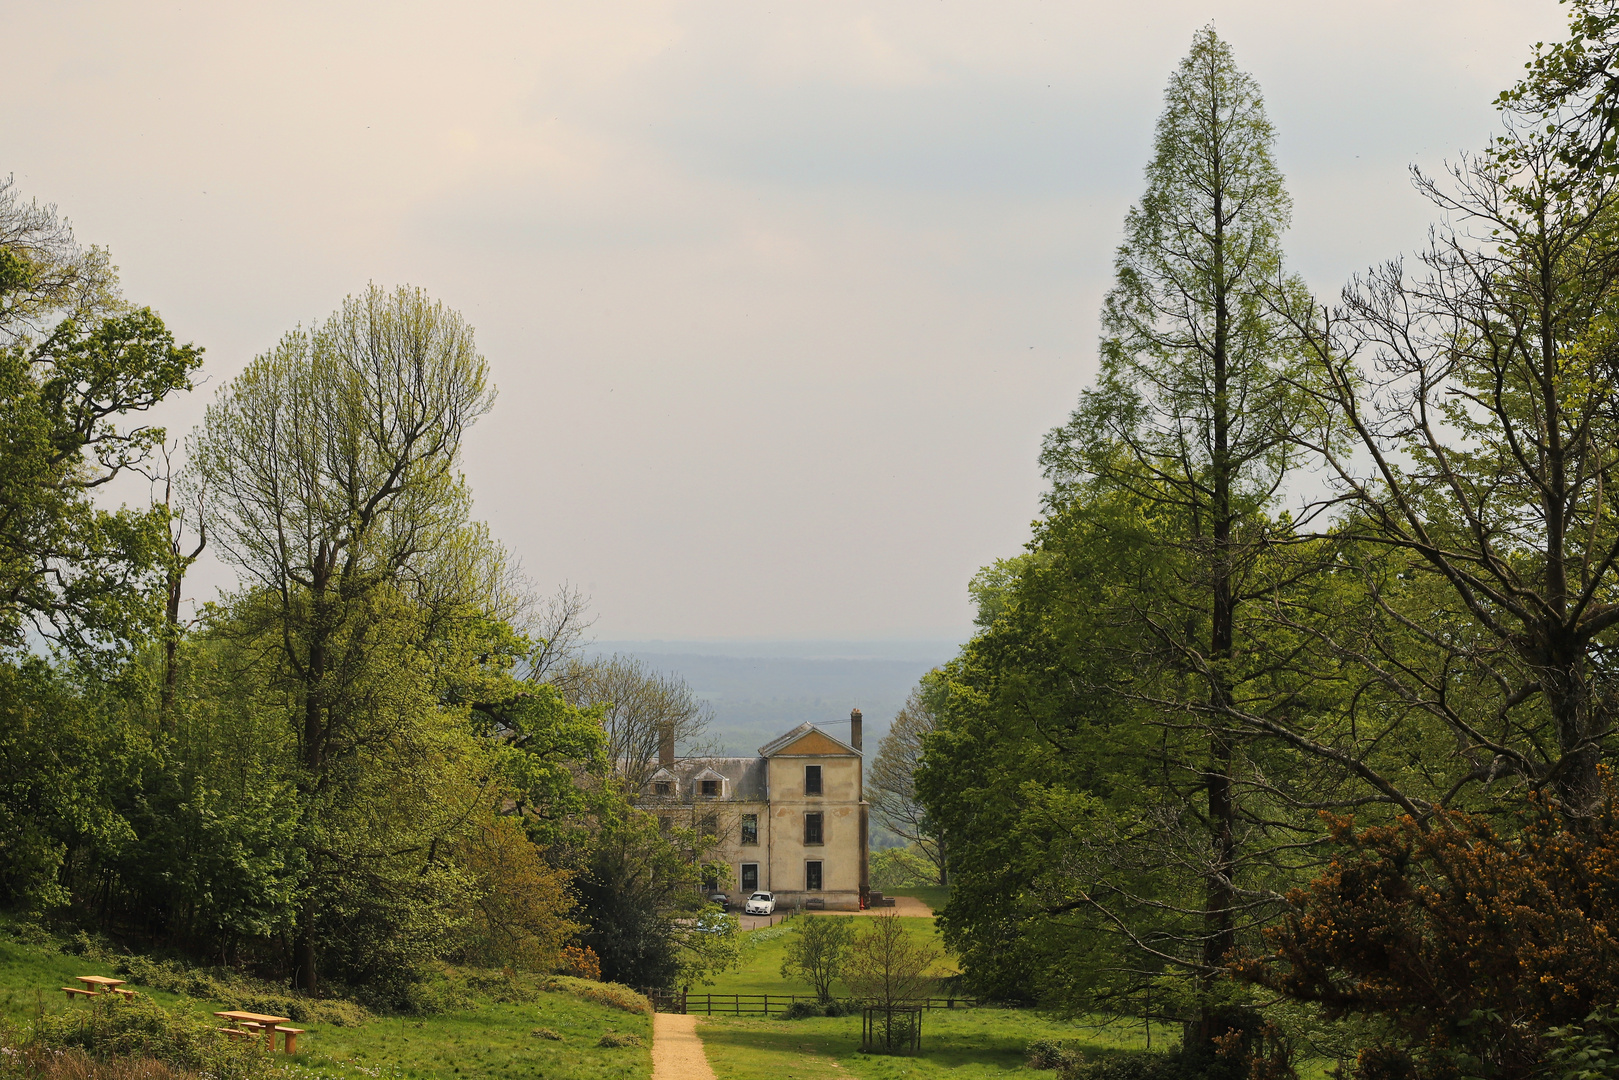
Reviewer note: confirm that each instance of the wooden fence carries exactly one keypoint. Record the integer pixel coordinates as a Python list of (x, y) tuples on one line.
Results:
[(673, 1001)]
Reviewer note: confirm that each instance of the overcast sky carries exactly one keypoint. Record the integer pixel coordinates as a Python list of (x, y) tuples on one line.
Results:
[(779, 298)]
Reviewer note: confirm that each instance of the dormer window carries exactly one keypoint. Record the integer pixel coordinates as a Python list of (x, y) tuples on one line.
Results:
[(812, 779), (663, 789), (711, 789)]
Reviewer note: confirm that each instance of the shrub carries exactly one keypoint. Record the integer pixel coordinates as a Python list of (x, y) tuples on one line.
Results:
[(1053, 1054), (614, 995), (1471, 938), (254, 995), (547, 1033), (802, 1010), (581, 963), (618, 1038)]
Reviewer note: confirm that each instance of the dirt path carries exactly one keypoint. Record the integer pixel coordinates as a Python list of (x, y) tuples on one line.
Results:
[(677, 1052)]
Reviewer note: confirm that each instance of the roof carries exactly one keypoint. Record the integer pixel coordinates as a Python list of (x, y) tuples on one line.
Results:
[(746, 775), (819, 743)]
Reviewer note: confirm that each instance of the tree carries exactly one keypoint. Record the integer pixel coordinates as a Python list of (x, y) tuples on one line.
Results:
[(75, 363), (1483, 449), (638, 707), (639, 895), (45, 275), (816, 951), (887, 964), (519, 911), (1193, 417), (892, 782), (332, 466)]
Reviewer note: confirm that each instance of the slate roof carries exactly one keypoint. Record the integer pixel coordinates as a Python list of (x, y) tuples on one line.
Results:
[(747, 776)]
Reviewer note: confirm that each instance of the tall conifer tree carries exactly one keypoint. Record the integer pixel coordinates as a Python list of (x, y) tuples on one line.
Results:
[(1191, 416)]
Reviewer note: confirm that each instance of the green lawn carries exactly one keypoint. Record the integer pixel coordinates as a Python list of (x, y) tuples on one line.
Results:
[(963, 1044), (491, 1040), (762, 952)]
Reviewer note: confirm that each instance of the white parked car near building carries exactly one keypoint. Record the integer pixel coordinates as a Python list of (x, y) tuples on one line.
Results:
[(761, 903)]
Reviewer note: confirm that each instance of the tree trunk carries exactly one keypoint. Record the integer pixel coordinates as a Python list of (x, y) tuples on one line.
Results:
[(303, 952), (1219, 935), (171, 646)]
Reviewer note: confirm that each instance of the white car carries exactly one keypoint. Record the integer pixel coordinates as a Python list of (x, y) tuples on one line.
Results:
[(761, 903)]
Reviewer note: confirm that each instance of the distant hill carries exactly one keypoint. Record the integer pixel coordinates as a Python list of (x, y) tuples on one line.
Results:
[(760, 689)]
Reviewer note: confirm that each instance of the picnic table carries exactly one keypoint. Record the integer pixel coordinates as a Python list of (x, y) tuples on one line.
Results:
[(254, 1022), (96, 985)]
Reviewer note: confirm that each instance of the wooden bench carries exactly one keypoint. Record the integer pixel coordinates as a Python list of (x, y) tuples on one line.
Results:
[(73, 991), (127, 995), (290, 1034), (235, 1033)]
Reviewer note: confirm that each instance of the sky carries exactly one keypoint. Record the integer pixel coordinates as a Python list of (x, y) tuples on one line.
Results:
[(779, 298)]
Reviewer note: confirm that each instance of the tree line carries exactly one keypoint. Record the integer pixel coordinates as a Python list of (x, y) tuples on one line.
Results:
[(381, 749), (1291, 723)]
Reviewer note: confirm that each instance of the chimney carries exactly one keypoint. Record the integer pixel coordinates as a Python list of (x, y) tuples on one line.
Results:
[(666, 746), (855, 725)]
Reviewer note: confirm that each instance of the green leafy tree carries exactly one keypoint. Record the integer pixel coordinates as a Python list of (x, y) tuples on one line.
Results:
[(332, 469), (816, 951), (84, 576), (639, 895)]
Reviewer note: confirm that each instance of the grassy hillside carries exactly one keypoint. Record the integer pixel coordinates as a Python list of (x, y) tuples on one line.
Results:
[(480, 1037)]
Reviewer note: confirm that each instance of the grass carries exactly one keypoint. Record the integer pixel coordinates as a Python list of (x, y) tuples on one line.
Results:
[(763, 950), (492, 1039), (962, 1044)]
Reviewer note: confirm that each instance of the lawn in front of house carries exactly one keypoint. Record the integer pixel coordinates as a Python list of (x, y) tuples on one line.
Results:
[(963, 1044), (759, 969)]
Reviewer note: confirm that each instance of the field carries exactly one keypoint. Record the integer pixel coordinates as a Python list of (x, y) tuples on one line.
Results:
[(490, 1039), (963, 1044)]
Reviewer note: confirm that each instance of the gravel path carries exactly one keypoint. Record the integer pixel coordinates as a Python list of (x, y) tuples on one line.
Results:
[(677, 1052), (903, 905)]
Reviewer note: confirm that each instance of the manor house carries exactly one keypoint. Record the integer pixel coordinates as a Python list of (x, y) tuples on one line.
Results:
[(791, 821)]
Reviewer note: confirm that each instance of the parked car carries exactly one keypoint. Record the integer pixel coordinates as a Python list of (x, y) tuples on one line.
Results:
[(721, 899), (761, 903)]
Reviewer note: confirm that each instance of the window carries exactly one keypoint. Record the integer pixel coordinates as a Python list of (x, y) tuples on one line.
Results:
[(663, 789), (812, 829), (710, 826), (711, 884), (750, 877), (711, 789), (750, 828), (812, 877), (812, 779)]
